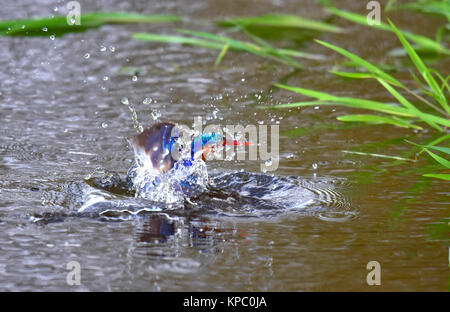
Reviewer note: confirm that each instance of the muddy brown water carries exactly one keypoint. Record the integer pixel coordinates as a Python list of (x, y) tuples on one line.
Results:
[(61, 118)]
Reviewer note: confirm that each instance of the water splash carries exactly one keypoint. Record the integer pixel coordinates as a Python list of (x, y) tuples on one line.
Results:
[(171, 187), (136, 124)]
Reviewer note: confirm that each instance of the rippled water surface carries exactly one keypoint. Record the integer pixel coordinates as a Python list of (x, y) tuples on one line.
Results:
[(311, 225)]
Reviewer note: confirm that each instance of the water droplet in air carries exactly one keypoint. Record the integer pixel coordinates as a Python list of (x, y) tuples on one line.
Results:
[(104, 125), (156, 114), (52, 37), (134, 78), (112, 48), (23, 26), (268, 162), (105, 78), (102, 48), (124, 101), (314, 165), (147, 101), (44, 29), (55, 9), (87, 55)]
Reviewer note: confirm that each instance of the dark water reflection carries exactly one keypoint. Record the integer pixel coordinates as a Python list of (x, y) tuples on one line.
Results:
[(60, 119)]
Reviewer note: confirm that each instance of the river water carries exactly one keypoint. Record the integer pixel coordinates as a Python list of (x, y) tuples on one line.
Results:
[(311, 225)]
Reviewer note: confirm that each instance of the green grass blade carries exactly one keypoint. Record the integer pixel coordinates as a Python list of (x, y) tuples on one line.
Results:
[(361, 62), (58, 25), (299, 54), (443, 176), (427, 76), (280, 20), (212, 41), (354, 75), (297, 104), (378, 155), (237, 45), (221, 54), (378, 120), (428, 7), (440, 139), (444, 162), (432, 144), (178, 39), (439, 148), (362, 20), (311, 93), (346, 101), (408, 105), (268, 48), (328, 99)]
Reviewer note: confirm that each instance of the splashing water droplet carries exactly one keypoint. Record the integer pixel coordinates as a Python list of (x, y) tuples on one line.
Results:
[(314, 165), (104, 125), (112, 48), (52, 37), (136, 123), (147, 101), (102, 48), (124, 101), (105, 78), (55, 9), (134, 78), (87, 55), (156, 114)]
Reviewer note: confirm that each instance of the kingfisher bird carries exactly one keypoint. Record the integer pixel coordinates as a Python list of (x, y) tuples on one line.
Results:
[(157, 143), (154, 150)]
